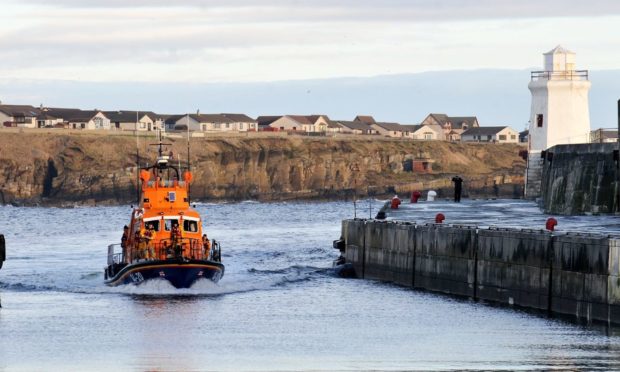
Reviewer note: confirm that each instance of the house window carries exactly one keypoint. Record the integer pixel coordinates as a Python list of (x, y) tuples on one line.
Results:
[(217, 126), (204, 127), (513, 137), (428, 136), (240, 125), (502, 137), (227, 125), (489, 137), (539, 120)]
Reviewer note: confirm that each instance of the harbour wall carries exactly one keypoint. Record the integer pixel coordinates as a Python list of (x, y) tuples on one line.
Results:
[(580, 179), (574, 275)]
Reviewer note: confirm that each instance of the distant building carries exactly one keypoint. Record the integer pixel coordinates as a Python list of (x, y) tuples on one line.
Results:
[(365, 119), (523, 136), (23, 116), (356, 127), (297, 123), (490, 134), (423, 132), (242, 122), (204, 123), (452, 126), (604, 136), (394, 130), (135, 120)]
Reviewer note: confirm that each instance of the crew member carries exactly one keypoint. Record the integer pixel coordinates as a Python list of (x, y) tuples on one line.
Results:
[(140, 244), (206, 244), (175, 238), (124, 240), (458, 187), (149, 236)]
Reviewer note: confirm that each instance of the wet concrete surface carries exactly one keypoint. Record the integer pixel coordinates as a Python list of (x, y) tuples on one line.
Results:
[(505, 213)]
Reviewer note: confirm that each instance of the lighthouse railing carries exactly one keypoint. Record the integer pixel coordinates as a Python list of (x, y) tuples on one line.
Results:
[(560, 75)]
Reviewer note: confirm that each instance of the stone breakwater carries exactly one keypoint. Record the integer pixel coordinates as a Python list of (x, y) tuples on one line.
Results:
[(66, 169), (575, 275)]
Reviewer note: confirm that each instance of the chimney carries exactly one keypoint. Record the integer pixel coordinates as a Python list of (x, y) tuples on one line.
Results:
[(198, 112)]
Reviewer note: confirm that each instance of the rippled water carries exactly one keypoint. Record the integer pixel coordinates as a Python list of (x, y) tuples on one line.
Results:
[(278, 307)]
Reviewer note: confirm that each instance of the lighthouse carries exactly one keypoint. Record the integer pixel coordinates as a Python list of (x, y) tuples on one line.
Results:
[(560, 111)]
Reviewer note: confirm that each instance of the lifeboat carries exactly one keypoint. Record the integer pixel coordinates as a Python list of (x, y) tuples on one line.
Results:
[(164, 239)]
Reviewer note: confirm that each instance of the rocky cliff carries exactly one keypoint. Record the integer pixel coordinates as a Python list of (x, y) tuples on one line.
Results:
[(59, 168)]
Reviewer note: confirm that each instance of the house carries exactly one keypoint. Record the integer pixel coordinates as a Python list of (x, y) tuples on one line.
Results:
[(424, 132), (356, 127), (524, 136), (394, 130), (134, 120), (88, 120), (204, 123), (242, 122), (452, 126), (604, 136), (490, 134), (23, 116), (365, 119), (298, 123)]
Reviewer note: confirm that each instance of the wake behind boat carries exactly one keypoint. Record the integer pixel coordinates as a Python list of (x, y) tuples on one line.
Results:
[(164, 239)]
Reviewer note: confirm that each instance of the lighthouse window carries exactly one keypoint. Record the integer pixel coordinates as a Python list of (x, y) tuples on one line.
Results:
[(539, 120)]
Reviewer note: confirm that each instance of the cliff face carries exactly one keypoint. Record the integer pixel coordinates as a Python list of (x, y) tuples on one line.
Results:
[(62, 168)]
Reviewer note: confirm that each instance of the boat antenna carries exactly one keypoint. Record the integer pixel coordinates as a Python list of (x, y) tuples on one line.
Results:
[(137, 163), (189, 198)]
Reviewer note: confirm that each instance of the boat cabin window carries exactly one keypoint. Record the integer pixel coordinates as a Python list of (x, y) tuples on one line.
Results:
[(154, 223), (169, 223), (190, 226)]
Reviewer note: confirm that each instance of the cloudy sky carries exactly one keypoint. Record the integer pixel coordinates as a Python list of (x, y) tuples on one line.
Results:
[(273, 40)]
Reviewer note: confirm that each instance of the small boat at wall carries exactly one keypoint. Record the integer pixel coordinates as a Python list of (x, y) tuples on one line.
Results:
[(164, 238)]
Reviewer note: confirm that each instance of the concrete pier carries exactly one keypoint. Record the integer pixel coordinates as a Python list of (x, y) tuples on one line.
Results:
[(568, 274)]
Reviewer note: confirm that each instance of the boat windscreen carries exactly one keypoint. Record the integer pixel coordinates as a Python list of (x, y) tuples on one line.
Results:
[(154, 223), (168, 223), (190, 226)]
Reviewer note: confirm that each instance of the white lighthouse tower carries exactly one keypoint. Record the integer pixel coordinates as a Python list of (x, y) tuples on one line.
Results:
[(560, 111)]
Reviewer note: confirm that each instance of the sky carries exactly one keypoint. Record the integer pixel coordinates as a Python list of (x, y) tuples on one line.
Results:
[(242, 41)]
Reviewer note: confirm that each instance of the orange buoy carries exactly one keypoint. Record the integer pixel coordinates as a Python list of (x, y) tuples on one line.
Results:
[(415, 196), (551, 223)]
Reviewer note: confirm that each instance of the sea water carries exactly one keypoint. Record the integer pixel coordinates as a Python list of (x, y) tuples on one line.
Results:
[(279, 305)]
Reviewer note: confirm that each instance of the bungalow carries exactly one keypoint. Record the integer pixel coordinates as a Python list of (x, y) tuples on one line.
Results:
[(301, 123), (23, 116), (134, 120), (604, 136), (394, 130), (365, 119), (424, 132), (490, 134), (286, 122), (452, 126), (204, 123), (242, 123), (86, 120), (356, 127)]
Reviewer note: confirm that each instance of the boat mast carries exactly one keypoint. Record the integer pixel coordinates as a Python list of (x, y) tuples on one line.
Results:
[(189, 199), (137, 164)]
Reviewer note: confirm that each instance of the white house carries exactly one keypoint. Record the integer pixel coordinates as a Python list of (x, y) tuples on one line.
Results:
[(394, 130), (134, 120), (431, 132), (356, 127), (23, 116), (490, 134), (242, 122)]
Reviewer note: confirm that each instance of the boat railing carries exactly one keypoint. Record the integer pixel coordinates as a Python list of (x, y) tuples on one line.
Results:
[(113, 256), (180, 248)]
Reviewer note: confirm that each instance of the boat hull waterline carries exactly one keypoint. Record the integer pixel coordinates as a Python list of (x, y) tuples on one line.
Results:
[(179, 273)]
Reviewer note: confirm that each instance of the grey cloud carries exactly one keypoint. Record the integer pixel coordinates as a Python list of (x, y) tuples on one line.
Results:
[(368, 10)]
